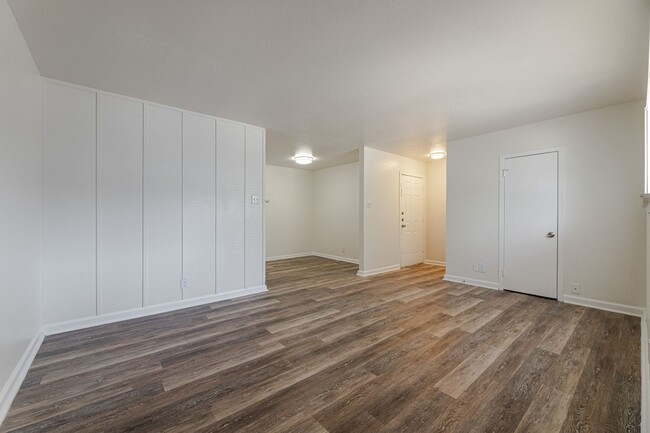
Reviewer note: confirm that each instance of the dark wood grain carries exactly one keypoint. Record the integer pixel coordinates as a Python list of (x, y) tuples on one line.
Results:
[(327, 351)]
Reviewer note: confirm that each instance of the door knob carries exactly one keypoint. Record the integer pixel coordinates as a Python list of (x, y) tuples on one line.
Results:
[(550, 234), (403, 225)]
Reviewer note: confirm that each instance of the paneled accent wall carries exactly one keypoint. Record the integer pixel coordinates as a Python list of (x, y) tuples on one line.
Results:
[(141, 197), (199, 204), (230, 209), (119, 204), (71, 203)]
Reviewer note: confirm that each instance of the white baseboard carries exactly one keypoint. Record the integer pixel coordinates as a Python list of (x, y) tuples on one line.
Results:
[(73, 325), (645, 376), (378, 271), (314, 254), (603, 305), (338, 258), (10, 389), (472, 282), (288, 256), (435, 262)]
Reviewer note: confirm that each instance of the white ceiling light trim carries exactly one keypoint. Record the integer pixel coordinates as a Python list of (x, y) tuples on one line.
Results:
[(303, 159)]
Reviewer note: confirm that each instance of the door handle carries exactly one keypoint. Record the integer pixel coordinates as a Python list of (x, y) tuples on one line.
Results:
[(403, 225), (550, 234)]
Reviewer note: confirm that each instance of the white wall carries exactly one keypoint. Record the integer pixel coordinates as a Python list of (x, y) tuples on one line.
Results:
[(140, 196), (604, 235), (289, 212), (336, 211), (436, 214), (379, 210), (20, 203), (313, 212)]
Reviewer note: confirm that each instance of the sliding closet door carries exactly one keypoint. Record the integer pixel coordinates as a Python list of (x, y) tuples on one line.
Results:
[(231, 190), (119, 205), (163, 203), (199, 191)]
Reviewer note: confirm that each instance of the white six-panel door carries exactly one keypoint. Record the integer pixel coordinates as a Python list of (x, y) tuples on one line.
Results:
[(411, 220), (530, 222)]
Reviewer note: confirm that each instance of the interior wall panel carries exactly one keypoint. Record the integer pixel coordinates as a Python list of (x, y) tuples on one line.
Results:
[(199, 213), (255, 269), (163, 200), (70, 176), (140, 196), (119, 187), (231, 184)]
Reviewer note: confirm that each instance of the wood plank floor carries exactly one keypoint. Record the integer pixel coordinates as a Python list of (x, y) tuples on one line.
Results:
[(327, 351)]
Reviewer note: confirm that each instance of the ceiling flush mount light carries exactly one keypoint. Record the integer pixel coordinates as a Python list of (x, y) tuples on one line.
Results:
[(437, 154), (303, 159)]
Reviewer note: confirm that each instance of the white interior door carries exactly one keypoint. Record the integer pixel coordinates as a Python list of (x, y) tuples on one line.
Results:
[(411, 220), (530, 243)]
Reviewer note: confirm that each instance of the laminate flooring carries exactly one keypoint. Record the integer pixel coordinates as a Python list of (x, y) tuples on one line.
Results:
[(327, 351)]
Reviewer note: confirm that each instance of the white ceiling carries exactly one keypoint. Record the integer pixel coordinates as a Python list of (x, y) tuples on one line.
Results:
[(330, 76)]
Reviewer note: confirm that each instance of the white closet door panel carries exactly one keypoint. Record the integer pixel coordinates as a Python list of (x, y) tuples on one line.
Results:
[(70, 155), (255, 266), (231, 150), (199, 195), (163, 204), (119, 187)]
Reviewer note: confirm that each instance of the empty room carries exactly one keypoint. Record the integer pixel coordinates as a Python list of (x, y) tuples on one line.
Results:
[(323, 216)]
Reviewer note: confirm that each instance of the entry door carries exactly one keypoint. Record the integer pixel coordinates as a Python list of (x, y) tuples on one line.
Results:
[(530, 244), (411, 220)]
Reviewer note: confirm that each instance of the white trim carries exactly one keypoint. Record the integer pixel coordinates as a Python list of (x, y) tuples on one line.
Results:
[(560, 213), (645, 376), (604, 305), (472, 282), (99, 100), (434, 262), (11, 387), (647, 152), (42, 292), (73, 325), (378, 271), (313, 254), (288, 256), (337, 258), (262, 203)]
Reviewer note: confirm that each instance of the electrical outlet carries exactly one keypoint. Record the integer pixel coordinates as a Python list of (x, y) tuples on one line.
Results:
[(185, 284), (575, 288), (474, 267), (482, 268), (255, 199), (343, 249)]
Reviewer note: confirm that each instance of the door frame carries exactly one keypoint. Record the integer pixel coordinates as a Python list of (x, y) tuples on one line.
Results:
[(560, 213), (399, 216)]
